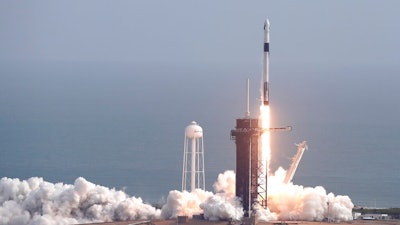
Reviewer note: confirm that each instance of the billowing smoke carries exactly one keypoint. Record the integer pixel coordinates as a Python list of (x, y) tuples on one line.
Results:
[(224, 204), (37, 202), (219, 206), (285, 202), (295, 202)]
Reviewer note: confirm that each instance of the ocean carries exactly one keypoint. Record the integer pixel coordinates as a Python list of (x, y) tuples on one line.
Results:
[(122, 125)]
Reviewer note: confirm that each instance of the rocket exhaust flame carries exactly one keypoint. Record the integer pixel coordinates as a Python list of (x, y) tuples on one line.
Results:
[(264, 153)]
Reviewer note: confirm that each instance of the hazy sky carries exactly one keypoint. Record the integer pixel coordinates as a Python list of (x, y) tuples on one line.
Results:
[(83, 76), (330, 60), (315, 32)]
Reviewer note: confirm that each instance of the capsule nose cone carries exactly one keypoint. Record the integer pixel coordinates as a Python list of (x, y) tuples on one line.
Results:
[(266, 24)]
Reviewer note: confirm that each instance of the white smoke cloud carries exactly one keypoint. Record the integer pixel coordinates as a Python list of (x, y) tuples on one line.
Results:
[(295, 202), (219, 206), (35, 202), (184, 203), (226, 184), (224, 204)]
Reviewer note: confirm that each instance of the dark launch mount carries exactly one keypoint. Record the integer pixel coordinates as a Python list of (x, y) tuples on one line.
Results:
[(246, 136)]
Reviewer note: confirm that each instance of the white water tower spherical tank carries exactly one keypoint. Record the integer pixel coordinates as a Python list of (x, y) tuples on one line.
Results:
[(193, 159), (194, 130)]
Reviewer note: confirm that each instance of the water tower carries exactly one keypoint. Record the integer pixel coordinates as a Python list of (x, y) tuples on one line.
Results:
[(193, 158)]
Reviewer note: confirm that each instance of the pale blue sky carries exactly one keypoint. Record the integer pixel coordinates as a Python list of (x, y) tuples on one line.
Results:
[(116, 82), (315, 32)]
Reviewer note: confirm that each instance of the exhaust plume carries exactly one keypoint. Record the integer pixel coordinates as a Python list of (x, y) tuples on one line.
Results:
[(37, 202)]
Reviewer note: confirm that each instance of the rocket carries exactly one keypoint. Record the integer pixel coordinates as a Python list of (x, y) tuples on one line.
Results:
[(265, 71)]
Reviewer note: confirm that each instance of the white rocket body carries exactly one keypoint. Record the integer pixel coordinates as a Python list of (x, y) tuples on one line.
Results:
[(265, 72)]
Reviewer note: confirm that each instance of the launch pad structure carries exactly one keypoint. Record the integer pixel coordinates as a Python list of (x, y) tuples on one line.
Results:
[(249, 168), (246, 136)]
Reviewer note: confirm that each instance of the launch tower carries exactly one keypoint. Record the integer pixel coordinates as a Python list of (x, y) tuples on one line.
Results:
[(246, 135), (251, 160)]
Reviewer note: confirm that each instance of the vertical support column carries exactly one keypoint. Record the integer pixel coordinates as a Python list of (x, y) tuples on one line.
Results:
[(193, 170), (184, 166)]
